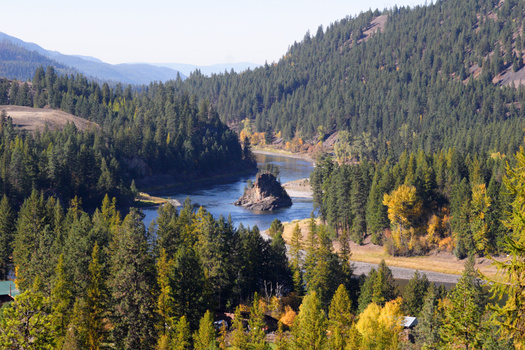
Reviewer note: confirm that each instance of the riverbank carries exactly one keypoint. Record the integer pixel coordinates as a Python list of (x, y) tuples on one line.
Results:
[(163, 186), (299, 188), (276, 152), (146, 200), (441, 267)]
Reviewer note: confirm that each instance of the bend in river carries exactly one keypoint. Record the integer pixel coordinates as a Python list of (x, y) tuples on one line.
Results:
[(218, 199)]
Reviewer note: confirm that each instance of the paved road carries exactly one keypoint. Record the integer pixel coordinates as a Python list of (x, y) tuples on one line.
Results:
[(404, 273)]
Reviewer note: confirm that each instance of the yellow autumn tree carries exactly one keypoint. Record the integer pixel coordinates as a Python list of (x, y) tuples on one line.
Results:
[(247, 127), (380, 327), (404, 210), (243, 136)]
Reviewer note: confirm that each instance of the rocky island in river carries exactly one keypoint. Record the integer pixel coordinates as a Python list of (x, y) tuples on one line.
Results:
[(265, 194)]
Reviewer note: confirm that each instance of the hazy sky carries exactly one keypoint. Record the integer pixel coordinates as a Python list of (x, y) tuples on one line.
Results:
[(201, 32)]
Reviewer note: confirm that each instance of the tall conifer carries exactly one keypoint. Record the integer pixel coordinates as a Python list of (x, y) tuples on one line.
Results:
[(309, 328)]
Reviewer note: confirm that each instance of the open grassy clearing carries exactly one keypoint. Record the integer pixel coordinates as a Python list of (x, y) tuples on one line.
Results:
[(31, 119)]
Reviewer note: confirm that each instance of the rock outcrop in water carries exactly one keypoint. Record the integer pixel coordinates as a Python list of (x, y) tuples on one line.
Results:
[(265, 194)]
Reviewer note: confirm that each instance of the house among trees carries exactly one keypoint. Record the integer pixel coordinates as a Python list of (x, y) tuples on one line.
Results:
[(409, 322), (8, 291)]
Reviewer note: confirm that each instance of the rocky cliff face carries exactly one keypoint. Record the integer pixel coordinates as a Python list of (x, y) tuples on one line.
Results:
[(266, 194)]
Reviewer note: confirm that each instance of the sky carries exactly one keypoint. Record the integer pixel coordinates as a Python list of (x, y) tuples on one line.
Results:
[(199, 32)]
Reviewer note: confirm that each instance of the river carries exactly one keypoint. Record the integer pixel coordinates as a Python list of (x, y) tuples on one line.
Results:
[(218, 198)]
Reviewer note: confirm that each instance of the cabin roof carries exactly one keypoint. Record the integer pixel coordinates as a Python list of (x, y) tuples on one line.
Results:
[(8, 288), (409, 322)]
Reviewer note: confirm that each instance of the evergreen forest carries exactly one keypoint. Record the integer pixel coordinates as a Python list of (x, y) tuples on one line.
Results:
[(427, 128), (431, 78), (150, 137)]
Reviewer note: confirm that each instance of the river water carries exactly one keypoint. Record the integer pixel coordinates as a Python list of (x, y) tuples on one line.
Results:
[(218, 198)]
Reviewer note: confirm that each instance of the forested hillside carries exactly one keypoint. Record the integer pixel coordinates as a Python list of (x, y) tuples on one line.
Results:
[(154, 137), (445, 201), (423, 161), (427, 80), (20, 59), (19, 63)]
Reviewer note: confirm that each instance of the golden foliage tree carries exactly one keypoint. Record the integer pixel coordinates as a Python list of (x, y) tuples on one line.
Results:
[(380, 327), (404, 210)]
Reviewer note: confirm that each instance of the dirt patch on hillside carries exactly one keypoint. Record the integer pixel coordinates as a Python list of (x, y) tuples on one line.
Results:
[(28, 118), (512, 78), (377, 23)]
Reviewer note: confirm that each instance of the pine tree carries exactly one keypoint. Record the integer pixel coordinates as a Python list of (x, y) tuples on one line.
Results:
[(223, 332), (239, 338), (275, 227), (61, 301), (463, 311), (216, 242), (344, 260), (414, 292), (309, 328), (340, 319), (165, 298), (479, 226), (77, 330), (257, 326), (77, 249), (296, 260), (96, 302), (278, 266), (281, 342), (384, 288), (366, 291), (182, 335), (132, 283), (205, 337), (28, 322), (358, 200), (7, 219), (168, 230), (188, 286), (327, 273), (31, 225), (429, 320), (510, 315)]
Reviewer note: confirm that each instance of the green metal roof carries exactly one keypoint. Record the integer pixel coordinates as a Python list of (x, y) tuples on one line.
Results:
[(8, 287)]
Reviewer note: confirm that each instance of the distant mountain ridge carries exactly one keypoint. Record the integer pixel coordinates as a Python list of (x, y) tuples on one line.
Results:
[(127, 73), (187, 69), (136, 74), (20, 63)]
